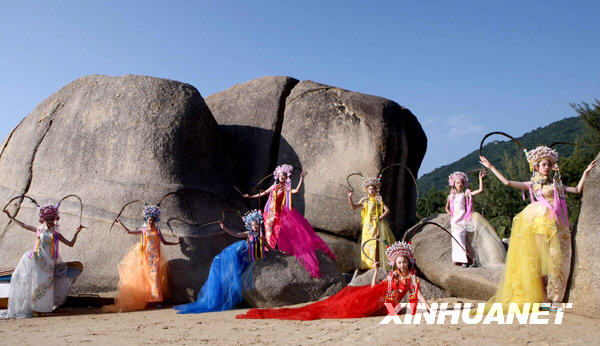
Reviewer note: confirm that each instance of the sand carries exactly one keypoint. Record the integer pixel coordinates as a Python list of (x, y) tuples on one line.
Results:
[(164, 326)]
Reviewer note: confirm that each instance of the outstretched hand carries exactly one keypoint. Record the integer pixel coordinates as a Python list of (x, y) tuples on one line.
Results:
[(117, 221), (350, 193), (590, 166), (221, 224), (482, 173), (485, 162), (245, 195), (80, 228)]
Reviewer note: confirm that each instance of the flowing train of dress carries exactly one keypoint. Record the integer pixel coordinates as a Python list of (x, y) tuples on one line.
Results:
[(350, 302), (223, 287)]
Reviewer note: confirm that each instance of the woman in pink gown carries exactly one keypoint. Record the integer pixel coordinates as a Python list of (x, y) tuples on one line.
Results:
[(285, 227)]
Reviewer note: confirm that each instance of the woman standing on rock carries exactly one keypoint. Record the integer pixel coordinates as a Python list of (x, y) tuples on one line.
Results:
[(361, 301), (39, 284), (539, 253), (223, 288), (143, 270), (459, 205), (373, 212), (285, 227)]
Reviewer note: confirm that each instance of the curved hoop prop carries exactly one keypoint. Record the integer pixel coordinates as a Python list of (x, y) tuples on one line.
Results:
[(231, 211), (80, 206), (20, 197), (362, 248), (420, 226), (176, 219), (409, 172), (121, 212), (348, 179), (176, 193), (518, 142)]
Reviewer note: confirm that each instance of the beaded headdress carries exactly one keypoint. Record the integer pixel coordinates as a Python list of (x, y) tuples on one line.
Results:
[(371, 181), (49, 212), (400, 248), (541, 153), (151, 211), (452, 178), (285, 168), (252, 216)]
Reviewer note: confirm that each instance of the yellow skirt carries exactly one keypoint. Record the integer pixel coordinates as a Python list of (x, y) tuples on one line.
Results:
[(539, 247), (375, 249)]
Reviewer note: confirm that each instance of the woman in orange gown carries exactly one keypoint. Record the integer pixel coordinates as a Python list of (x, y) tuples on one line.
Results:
[(143, 270)]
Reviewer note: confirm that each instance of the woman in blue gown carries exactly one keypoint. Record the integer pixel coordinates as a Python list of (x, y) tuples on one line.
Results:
[(223, 288)]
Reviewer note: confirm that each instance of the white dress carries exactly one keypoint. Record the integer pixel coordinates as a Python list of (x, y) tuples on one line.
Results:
[(459, 227), (40, 282)]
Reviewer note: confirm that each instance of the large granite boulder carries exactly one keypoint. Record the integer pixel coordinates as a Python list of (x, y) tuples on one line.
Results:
[(429, 290), (250, 116), (111, 140), (333, 132), (585, 279), (433, 254), (279, 280)]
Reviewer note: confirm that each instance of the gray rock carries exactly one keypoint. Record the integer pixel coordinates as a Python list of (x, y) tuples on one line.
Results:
[(433, 255), (429, 290), (347, 253), (279, 280), (332, 132), (250, 116), (111, 140), (584, 293)]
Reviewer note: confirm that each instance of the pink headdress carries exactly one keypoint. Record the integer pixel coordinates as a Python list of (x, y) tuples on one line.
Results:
[(287, 169), (541, 153), (454, 177), (400, 248), (48, 212)]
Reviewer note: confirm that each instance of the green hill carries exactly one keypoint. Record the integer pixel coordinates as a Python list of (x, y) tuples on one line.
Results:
[(565, 130)]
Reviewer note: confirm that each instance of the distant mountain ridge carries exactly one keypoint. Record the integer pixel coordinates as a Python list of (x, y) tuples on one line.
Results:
[(565, 130)]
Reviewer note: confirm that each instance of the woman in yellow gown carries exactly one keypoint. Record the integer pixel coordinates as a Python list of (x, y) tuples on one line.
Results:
[(373, 212), (539, 253)]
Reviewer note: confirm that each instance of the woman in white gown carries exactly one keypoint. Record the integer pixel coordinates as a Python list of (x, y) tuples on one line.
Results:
[(39, 284), (460, 206)]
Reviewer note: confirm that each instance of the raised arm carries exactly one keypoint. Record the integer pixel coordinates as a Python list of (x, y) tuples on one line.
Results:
[(20, 223), (584, 176), (516, 184), (260, 194), (352, 205), (299, 183), (165, 242), (230, 232), (480, 190), (70, 243), (137, 231)]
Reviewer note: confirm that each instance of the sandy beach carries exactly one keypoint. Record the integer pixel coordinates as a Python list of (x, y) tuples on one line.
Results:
[(164, 326)]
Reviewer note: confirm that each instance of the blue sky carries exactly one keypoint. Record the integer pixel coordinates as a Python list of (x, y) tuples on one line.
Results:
[(462, 67)]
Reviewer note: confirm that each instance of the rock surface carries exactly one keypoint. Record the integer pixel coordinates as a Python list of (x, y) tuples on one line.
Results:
[(111, 140), (433, 255), (279, 280), (585, 279), (347, 252), (333, 132), (250, 116)]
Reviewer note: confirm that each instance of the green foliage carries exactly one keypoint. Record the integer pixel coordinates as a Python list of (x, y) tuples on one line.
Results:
[(499, 203), (566, 130)]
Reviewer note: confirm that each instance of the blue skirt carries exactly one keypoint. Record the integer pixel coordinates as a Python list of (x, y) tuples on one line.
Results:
[(223, 288)]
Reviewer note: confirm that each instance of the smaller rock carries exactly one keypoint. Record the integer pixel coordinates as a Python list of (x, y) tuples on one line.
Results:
[(279, 280), (347, 252)]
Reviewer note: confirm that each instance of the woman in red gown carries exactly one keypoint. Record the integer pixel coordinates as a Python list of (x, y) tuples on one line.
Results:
[(360, 301)]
